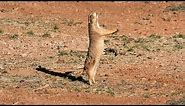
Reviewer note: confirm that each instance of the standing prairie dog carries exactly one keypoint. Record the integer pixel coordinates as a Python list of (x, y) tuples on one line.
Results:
[(96, 46)]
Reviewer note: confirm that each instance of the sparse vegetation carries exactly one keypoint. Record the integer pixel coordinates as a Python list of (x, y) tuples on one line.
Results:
[(166, 19), (1, 31), (110, 91), (130, 50), (79, 54), (152, 43), (71, 22), (106, 42), (14, 36), (140, 40), (176, 8), (111, 50), (50, 57), (154, 36), (179, 36), (30, 33), (146, 95), (178, 46), (72, 56), (46, 35), (62, 53), (181, 101), (55, 27)]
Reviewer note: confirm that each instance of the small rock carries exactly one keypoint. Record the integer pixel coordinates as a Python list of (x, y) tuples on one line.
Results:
[(78, 95), (106, 75), (1, 66), (24, 55)]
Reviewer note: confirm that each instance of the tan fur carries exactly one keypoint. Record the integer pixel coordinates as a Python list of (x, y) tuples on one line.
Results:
[(96, 46)]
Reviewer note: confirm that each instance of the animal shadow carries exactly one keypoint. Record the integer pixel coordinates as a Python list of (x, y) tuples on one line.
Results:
[(67, 75)]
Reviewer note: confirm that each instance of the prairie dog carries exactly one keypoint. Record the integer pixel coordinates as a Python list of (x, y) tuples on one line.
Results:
[(96, 46)]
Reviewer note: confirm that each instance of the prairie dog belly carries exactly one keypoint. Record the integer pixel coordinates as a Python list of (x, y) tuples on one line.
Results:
[(96, 47)]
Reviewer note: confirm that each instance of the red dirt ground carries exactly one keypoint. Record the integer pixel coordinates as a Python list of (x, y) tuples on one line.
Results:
[(33, 33)]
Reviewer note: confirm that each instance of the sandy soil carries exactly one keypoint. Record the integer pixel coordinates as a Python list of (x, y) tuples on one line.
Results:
[(42, 42)]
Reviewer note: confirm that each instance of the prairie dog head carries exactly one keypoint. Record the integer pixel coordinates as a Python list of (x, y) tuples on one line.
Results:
[(93, 18), (95, 27)]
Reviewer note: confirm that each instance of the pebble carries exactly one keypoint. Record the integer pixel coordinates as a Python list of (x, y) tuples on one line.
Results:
[(1, 66)]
